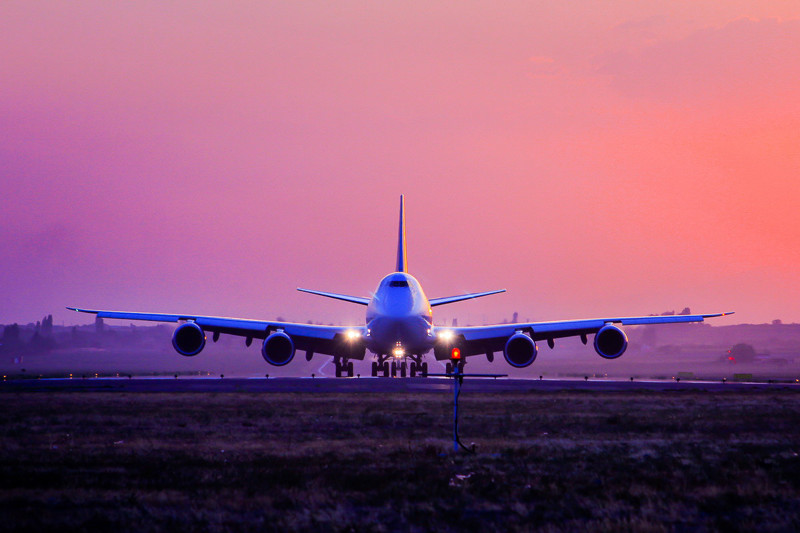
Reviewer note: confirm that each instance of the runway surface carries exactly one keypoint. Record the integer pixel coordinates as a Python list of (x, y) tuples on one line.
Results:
[(371, 385)]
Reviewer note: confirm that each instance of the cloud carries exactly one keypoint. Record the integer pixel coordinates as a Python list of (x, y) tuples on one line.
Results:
[(746, 58), (543, 67)]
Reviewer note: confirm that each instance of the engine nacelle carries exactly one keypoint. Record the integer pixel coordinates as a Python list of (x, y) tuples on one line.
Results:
[(189, 339), (610, 342), (278, 349), (520, 350)]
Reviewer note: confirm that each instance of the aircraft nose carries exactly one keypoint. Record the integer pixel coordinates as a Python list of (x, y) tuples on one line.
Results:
[(408, 330)]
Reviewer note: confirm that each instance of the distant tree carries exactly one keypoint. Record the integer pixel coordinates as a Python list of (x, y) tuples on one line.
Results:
[(99, 326), (742, 353), (777, 322), (515, 318), (686, 311), (668, 313), (649, 336), (47, 325), (11, 334), (40, 343)]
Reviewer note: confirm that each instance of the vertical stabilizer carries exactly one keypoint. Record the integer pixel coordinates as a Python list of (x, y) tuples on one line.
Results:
[(402, 254)]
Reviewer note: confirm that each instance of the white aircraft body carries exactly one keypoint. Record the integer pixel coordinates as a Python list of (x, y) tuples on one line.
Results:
[(399, 330)]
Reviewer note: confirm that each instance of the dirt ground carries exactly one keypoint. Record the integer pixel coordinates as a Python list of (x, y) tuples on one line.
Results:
[(544, 461)]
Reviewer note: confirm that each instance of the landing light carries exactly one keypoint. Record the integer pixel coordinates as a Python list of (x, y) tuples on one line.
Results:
[(352, 334), (399, 352), (446, 335)]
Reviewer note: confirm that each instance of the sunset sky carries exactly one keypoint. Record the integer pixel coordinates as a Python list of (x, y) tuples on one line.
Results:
[(593, 158)]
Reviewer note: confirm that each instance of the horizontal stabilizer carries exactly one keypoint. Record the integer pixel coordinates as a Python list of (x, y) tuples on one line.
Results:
[(451, 299), (346, 298)]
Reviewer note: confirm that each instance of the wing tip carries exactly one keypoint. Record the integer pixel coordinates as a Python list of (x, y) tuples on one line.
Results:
[(79, 310), (716, 315)]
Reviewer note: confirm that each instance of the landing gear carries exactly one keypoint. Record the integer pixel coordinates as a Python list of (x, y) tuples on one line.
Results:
[(416, 366), (411, 366), (449, 367), (381, 366), (343, 367)]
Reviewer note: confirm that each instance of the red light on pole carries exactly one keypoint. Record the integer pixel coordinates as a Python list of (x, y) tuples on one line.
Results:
[(455, 353)]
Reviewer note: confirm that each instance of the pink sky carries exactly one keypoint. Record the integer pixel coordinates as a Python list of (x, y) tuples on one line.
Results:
[(207, 157)]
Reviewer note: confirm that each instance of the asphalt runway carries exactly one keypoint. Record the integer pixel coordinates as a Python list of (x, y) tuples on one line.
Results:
[(373, 385)]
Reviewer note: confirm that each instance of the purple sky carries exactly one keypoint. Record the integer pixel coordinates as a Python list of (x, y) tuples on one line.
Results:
[(208, 157)]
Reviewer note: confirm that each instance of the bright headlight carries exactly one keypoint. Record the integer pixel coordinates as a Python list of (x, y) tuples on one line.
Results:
[(352, 334), (446, 335)]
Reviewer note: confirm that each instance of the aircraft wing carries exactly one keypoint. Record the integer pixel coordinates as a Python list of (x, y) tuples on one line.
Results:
[(306, 337), (461, 297), (336, 296), (483, 339)]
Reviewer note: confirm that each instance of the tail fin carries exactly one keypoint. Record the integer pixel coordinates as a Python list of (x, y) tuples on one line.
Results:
[(402, 254)]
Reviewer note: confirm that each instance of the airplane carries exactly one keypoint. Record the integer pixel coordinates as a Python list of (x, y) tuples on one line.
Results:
[(399, 330)]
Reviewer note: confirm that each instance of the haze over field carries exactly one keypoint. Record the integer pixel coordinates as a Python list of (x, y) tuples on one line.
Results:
[(619, 159)]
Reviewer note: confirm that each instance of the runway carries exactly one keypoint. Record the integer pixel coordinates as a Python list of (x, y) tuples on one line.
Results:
[(373, 385)]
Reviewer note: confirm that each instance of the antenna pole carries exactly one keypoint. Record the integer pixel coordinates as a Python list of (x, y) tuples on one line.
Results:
[(457, 379)]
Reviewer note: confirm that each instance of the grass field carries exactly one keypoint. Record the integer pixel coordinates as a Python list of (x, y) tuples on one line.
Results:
[(570, 461)]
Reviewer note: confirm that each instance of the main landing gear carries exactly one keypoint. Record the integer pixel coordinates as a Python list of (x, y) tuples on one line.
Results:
[(389, 367), (417, 367), (449, 367), (344, 368)]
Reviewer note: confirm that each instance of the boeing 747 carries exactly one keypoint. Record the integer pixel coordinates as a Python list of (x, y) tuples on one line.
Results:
[(398, 330)]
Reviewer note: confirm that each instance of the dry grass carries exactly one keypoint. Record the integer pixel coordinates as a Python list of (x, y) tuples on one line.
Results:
[(643, 461)]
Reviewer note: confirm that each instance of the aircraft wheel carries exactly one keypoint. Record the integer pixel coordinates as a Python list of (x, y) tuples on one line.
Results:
[(412, 369), (386, 369), (394, 369), (350, 369), (403, 368), (424, 370), (374, 369), (338, 370), (449, 368)]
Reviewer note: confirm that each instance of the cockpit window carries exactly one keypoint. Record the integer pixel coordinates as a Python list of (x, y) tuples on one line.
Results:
[(398, 283)]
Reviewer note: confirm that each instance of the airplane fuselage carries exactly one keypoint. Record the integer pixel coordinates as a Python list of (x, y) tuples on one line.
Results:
[(399, 317)]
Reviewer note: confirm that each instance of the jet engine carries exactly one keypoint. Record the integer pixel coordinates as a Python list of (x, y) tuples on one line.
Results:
[(278, 349), (189, 339), (520, 350), (610, 342)]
